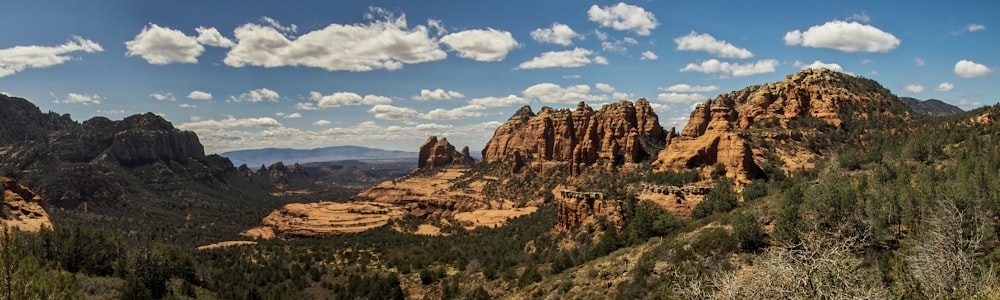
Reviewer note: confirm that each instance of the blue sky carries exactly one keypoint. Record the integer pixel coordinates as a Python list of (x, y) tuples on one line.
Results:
[(387, 74)]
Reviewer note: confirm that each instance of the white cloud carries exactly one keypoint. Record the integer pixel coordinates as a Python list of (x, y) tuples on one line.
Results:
[(624, 17), (945, 87), (601, 35), (970, 69), (673, 97), (292, 116), (571, 76), (481, 45), (488, 102), (437, 26), (306, 106), (600, 60), (389, 112), (559, 34), (844, 36), (919, 61), (604, 87), (381, 44), (914, 88), (199, 95), (18, 58), (553, 93), (113, 111), (162, 45), (255, 96), (187, 105), (820, 65), (562, 59), (731, 69), (464, 112), (211, 37), (649, 55), (860, 17), (339, 99), (705, 42), (620, 46), (322, 123), (277, 25), (161, 96), (687, 88), (438, 94), (74, 98), (230, 122), (975, 27), (969, 104)]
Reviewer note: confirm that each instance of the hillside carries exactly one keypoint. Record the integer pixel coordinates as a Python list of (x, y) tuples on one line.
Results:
[(930, 107)]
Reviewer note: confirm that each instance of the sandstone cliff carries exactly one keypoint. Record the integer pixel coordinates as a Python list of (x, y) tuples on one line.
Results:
[(721, 129), (437, 153), (621, 132), (22, 208)]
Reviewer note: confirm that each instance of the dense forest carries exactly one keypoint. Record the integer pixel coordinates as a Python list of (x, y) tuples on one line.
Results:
[(894, 209)]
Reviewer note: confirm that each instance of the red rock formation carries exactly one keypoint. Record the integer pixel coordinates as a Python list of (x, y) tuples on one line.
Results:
[(22, 208), (578, 208), (717, 129), (619, 131), (436, 153)]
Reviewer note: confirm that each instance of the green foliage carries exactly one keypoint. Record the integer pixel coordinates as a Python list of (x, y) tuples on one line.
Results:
[(720, 199), (748, 231), (755, 190), (23, 276), (649, 220), (529, 275), (479, 294), (786, 227)]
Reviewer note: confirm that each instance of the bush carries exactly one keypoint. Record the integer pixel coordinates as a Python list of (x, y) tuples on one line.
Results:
[(720, 199), (747, 231), (755, 190)]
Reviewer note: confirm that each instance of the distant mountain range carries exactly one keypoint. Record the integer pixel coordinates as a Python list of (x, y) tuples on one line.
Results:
[(933, 107), (268, 156)]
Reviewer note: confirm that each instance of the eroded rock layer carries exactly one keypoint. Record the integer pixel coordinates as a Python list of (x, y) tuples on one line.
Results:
[(621, 132), (22, 208)]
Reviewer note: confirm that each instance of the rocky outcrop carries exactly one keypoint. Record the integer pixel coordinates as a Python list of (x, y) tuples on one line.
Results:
[(22, 208), (147, 138), (438, 153), (577, 208), (622, 132), (718, 130)]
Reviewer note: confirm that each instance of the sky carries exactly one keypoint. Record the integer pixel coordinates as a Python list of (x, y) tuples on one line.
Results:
[(388, 74)]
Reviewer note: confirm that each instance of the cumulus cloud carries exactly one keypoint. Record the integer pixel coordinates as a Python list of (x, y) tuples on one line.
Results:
[(600, 60), (975, 27), (161, 96), (211, 37), (74, 98), (381, 44), (389, 112), (945, 87), (277, 25), (489, 102), (199, 95), (339, 99), (649, 55), (919, 61), (819, 65), (673, 97), (481, 44), (321, 123), (843, 36), (969, 69), (255, 96), (712, 66), (230, 122), (604, 87), (163, 45), (293, 116), (553, 93), (563, 59), (438, 94), (559, 34), (914, 88), (187, 105), (706, 42), (687, 88), (464, 112), (624, 17), (19, 58)]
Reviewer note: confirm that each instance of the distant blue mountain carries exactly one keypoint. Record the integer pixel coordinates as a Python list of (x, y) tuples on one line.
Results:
[(268, 156)]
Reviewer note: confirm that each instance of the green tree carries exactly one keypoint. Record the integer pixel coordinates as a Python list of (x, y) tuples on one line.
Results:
[(720, 199)]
